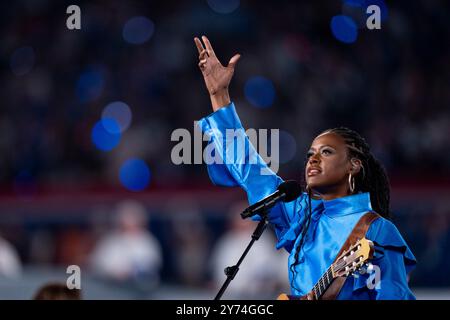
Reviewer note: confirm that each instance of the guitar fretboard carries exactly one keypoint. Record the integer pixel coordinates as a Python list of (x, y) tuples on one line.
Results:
[(324, 282)]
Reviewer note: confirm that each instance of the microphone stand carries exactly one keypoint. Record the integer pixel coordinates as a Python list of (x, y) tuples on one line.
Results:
[(231, 271)]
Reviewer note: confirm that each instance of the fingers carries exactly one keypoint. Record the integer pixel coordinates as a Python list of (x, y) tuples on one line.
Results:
[(203, 55), (203, 59), (209, 50), (208, 46), (234, 60), (199, 45)]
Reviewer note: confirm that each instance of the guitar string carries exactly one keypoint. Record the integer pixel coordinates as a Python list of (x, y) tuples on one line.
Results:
[(325, 282), (317, 288)]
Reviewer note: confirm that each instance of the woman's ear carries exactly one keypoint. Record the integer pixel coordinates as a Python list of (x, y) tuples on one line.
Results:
[(355, 165)]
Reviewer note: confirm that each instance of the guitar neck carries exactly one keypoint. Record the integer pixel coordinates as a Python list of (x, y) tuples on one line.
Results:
[(324, 282), (349, 262)]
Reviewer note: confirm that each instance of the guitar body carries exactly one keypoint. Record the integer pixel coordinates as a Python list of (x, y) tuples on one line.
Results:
[(330, 294), (285, 296)]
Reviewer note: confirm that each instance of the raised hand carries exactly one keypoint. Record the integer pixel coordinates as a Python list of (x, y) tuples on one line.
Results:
[(217, 77)]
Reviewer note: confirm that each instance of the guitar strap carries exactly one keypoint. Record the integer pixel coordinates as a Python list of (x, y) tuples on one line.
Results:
[(358, 232)]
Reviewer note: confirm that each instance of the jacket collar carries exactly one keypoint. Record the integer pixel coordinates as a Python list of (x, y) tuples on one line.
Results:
[(359, 202)]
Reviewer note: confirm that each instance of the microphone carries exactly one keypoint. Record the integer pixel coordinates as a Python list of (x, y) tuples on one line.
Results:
[(287, 191)]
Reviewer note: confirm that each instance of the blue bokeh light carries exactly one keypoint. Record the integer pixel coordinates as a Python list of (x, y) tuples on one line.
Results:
[(355, 3), (224, 6), (344, 29), (135, 174), (106, 134), (357, 10), (260, 92), (90, 84), (379, 3), (120, 112), (138, 30), (22, 60)]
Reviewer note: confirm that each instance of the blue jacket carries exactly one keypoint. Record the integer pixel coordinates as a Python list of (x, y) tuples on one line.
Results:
[(331, 222)]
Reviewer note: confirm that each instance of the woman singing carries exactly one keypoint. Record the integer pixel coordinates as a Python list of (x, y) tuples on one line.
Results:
[(343, 183)]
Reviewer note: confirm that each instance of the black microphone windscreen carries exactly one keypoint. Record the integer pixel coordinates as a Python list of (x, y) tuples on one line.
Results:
[(291, 188)]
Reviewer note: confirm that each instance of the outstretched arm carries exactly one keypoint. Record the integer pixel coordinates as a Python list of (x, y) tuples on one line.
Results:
[(243, 167)]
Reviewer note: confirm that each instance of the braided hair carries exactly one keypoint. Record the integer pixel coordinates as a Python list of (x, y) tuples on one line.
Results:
[(371, 178)]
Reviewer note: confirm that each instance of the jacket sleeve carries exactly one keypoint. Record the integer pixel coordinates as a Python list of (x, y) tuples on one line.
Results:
[(392, 263), (393, 284), (233, 161)]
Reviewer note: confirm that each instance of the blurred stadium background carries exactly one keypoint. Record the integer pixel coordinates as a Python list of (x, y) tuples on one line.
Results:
[(86, 118)]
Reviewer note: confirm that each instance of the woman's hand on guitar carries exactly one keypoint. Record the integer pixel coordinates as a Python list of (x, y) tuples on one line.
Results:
[(217, 77)]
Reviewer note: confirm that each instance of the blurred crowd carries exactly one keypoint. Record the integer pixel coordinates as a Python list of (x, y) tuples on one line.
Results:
[(128, 250), (189, 246)]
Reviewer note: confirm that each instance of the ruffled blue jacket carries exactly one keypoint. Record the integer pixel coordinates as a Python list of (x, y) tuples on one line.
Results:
[(331, 222)]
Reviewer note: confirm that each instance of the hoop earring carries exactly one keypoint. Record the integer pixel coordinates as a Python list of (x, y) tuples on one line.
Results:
[(351, 183)]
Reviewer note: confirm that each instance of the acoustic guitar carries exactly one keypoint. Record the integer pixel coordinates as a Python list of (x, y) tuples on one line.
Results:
[(350, 261)]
